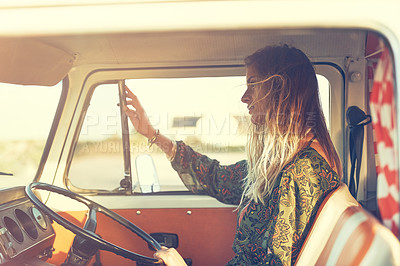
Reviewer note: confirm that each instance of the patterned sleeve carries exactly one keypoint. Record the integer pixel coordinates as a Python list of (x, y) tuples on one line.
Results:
[(201, 174), (302, 188)]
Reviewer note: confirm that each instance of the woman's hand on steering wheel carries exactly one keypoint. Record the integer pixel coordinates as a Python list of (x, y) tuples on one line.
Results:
[(137, 115), (170, 257)]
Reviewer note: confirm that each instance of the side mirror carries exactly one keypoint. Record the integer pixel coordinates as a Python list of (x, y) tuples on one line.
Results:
[(147, 174)]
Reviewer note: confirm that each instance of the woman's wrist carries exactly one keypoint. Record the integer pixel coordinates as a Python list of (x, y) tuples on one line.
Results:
[(153, 139), (150, 132), (171, 156), (167, 145)]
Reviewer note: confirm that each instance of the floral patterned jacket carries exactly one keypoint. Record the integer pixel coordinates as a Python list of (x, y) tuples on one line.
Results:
[(271, 233)]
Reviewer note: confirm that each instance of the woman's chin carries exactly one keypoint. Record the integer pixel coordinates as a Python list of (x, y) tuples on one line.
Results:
[(256, 120)]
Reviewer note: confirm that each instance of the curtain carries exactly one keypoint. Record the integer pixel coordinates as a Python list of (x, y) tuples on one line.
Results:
[(383, 112)]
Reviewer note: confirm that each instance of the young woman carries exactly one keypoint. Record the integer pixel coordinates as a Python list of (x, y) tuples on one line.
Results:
[(291, 162)]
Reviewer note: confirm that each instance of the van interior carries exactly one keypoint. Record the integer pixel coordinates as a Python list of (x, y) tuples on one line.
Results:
[(99, 180)]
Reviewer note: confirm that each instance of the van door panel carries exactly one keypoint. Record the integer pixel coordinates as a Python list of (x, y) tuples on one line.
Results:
[(205, 234)]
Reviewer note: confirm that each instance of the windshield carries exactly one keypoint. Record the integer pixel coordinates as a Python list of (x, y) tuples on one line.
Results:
[(26, 114)]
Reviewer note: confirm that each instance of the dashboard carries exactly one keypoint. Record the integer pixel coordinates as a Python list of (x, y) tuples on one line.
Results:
[(26, 234)]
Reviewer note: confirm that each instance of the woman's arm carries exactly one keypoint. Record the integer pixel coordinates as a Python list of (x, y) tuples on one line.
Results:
[(201, 174), (141, 122)]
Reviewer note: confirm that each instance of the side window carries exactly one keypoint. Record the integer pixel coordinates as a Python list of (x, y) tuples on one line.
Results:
[(98, 161), (27, 113), (325, 98), (206, 113)]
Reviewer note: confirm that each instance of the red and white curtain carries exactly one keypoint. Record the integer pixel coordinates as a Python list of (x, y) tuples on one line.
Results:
[(383, 112)]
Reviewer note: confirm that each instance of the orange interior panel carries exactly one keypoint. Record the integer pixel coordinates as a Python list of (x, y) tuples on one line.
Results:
[(205, 235), (64, 237)]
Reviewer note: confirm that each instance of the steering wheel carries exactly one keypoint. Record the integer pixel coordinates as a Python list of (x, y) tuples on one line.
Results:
[(86, 234)]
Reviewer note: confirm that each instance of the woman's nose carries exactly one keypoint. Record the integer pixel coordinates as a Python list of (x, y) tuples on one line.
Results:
[(246, 97)]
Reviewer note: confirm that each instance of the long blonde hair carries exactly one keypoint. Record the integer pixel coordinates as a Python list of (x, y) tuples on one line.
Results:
[(287, 88)]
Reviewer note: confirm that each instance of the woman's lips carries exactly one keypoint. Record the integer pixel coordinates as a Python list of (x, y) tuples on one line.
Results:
[(250, 108)]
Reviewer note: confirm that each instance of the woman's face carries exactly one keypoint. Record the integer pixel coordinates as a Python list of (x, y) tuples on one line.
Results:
[(250, 97)]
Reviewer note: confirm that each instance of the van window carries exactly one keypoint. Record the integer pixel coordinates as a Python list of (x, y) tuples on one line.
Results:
[(26, 116), (206, 113), (325, 98)]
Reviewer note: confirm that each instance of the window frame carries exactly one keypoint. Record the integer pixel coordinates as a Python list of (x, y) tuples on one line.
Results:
[(331, 71)]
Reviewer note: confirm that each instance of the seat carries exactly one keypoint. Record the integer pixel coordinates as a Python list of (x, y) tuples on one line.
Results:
[(344, 233)]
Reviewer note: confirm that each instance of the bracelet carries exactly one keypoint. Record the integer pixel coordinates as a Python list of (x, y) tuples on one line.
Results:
[(153, 138), (173, 151)]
